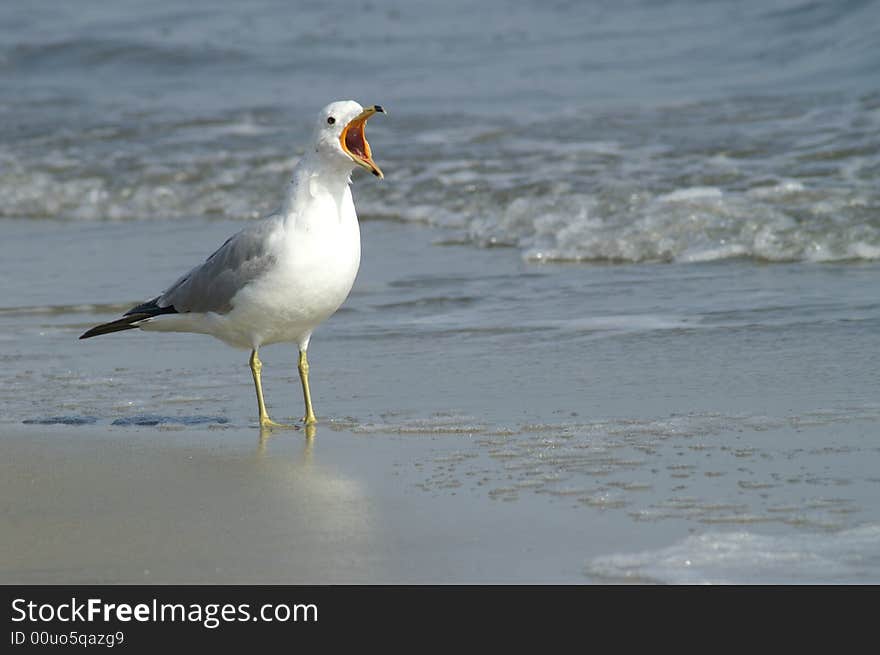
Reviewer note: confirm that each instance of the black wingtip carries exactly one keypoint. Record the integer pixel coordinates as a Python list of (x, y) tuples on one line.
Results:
[(128, 322), (131, 319)]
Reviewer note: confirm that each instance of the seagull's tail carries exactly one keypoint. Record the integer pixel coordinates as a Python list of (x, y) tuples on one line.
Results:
[(133, 319)]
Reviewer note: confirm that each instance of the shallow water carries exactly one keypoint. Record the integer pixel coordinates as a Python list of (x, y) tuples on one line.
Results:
[(623, 329)]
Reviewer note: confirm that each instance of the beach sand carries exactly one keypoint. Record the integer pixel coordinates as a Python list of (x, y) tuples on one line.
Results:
[(220, 506), (422, 505)]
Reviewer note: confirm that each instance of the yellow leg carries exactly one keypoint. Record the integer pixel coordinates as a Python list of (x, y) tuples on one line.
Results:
[(256, 369), (309, 418)]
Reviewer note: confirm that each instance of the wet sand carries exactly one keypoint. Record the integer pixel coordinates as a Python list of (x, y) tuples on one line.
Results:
[(219, 505), (430, 502)]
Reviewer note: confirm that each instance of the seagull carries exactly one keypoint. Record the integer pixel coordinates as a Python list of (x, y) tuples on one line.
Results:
[(279, 278)]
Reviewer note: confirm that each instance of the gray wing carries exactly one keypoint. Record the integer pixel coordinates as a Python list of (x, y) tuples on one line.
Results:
[(211, 286)]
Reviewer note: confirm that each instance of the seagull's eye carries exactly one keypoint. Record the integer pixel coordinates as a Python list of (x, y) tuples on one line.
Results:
[(330, 120)]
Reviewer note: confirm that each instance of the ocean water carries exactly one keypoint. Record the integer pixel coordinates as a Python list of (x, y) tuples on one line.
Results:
[(622, 271)]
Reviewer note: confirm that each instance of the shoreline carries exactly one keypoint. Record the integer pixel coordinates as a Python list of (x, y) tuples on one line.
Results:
[(422, 501)]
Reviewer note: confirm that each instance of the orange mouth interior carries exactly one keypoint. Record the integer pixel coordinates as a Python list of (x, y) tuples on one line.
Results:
[(355, 143)]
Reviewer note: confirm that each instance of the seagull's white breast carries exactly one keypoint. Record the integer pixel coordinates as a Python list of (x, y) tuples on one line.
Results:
[(318, 253)]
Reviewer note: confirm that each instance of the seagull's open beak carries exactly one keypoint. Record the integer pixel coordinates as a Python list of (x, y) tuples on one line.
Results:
[(354, 141)]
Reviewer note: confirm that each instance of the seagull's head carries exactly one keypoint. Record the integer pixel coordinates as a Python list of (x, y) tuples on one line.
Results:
[(340, 134)]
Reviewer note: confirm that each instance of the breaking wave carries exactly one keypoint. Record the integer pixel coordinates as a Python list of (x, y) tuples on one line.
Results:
[(611, 159)]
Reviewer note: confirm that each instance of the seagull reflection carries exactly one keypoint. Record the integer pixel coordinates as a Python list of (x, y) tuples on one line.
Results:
[(308, 443)]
